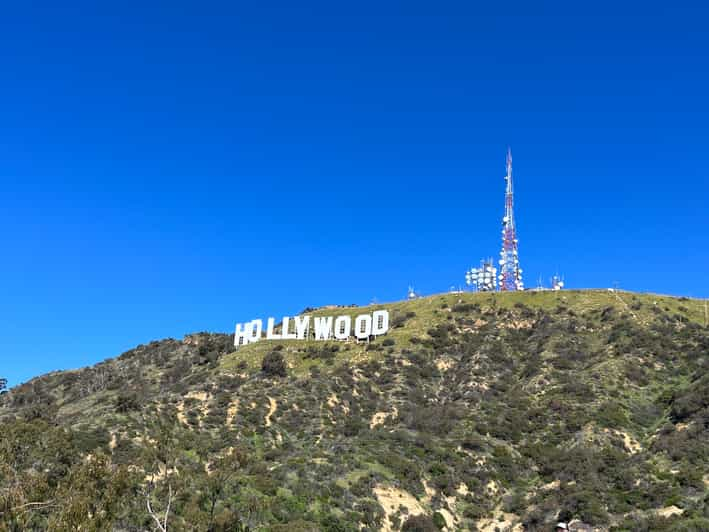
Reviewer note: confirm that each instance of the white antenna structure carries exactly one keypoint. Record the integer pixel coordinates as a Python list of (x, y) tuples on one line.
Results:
[(484, 278), (557, 282)]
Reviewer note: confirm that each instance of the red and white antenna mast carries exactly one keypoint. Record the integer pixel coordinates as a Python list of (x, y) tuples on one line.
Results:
[(510, 272)]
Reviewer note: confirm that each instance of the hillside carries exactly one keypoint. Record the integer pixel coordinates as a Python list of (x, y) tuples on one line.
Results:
[(476, 412)]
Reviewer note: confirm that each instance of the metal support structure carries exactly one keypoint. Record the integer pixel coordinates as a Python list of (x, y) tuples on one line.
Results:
[(510, 272)]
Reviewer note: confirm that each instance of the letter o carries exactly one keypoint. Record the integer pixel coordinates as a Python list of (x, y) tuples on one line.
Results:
[(380, 322), (363, 326), (343, 326)]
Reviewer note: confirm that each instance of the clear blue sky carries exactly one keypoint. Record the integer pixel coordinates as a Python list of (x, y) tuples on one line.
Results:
[(182, 167)]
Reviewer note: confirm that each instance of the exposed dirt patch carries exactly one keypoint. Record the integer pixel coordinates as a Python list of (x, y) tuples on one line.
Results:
[(492, 487), (631, 444), (232, 411), (161, 474), (552, 485), (444, 364), (669, 511), (450, 514), (430, 492), (448, 517), (203, 397), (380, 417), (273, 406), (500, 521), (334, 401), (391, 499), (519, 324)]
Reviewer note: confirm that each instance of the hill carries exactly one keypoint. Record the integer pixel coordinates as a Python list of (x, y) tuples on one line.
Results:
[(476, 412)]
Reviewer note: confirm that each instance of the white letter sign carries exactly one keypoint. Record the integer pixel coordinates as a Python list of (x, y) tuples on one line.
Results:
[(363, 326), (323, 328), (366, 326)]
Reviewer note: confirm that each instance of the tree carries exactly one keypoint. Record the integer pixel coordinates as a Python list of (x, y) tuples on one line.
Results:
[(127, 402), (93, 495), (222, 471), (274, 364), (161, 454), (34, 456)]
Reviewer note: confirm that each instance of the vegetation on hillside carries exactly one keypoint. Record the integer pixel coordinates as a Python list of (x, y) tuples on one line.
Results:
[(476, 412)]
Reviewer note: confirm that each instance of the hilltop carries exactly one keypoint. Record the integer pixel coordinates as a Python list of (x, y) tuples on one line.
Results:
[(487, 411)]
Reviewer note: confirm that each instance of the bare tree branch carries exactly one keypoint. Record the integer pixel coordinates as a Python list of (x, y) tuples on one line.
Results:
[(152, 514), (30, 506), (162, 525), (169, 502)]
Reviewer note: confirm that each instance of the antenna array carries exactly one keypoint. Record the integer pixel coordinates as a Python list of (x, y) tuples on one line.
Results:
[(484, 278)]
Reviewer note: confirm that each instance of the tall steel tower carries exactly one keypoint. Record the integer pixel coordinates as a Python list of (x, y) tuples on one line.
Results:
[(510, 272)]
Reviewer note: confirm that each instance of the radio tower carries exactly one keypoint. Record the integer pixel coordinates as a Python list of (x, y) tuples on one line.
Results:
[(510, 272)]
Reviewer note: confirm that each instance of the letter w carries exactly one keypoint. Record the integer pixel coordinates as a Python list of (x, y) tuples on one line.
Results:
[(323, 328)]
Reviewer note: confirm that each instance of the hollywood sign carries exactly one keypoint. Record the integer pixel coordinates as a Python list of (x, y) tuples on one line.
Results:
[(363, 327)]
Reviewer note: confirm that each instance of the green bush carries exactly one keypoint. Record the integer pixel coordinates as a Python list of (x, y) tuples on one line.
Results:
[(274, 365), (419, 523)]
